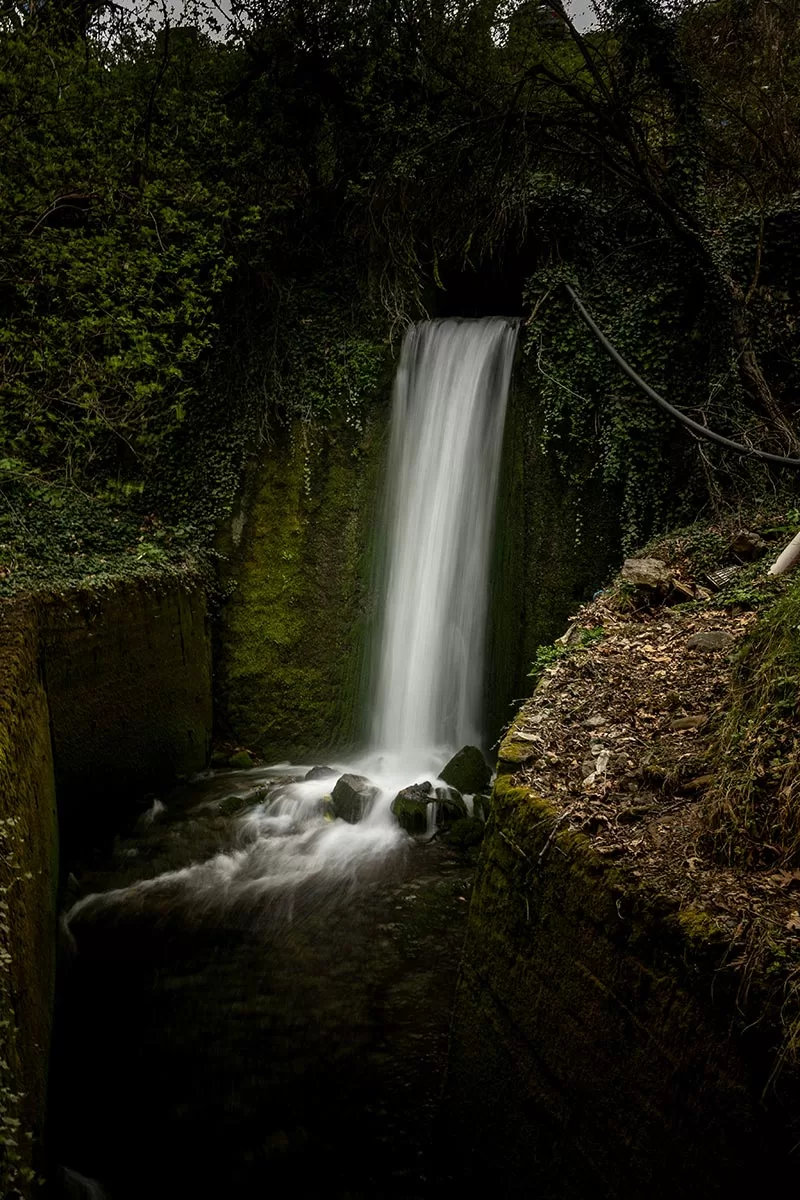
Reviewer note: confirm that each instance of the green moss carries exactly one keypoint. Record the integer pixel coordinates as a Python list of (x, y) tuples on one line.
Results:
[(753, 806), (294, 626)]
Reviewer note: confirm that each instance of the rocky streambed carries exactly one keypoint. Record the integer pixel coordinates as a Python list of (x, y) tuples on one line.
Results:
[(222, 1031)]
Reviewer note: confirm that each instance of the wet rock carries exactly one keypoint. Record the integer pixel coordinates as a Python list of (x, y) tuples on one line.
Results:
[(319, 773), (748, 545), (240, 761), (466, 833), (467, 771), (328, 808), (410, 806), (219, 759), (231, 806), (352, 796), (649, 573), (710, 640), (450, 806), (481, 807)]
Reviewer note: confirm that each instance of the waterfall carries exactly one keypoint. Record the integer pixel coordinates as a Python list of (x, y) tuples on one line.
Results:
[(444, 460)]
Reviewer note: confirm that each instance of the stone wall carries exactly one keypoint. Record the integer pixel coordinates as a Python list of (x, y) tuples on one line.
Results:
[(28, 881), (294, 631), (598, 1049), (102, 696), (128, 678)]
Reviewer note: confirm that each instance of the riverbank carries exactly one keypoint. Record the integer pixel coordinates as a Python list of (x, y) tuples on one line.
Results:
[(629, 998)]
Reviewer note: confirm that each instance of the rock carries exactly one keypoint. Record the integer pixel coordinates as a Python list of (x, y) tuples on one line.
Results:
[(710, 640), (633, 813), (515, 753), (219, 759), (481, 807), (587, 768), (649, 573), (319, 773), (467, 771), (689, 722), (450, 806), (595, 721), (240, 761), (747, 545), (352, 796), (328, 808), (410, 806), (231, 806), (466, 833)]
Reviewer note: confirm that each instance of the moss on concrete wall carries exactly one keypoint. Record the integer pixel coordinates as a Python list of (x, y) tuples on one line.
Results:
[(595, 1045), (28, 879), (293, 632)]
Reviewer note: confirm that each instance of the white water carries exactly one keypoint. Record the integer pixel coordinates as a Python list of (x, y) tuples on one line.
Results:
[(446, 441), (444, 461)]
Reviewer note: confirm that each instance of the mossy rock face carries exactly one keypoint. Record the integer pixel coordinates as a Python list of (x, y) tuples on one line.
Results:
[(467, 771), (466, 833), (410, 807), (241, 761), (352, 797)]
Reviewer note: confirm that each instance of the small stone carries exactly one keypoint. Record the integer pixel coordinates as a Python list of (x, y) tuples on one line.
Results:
[(689, 722), (240, 761), (352, 796), (319, 773), (587, 767), (649, 573), (633, 813), (595, 721), (710, 640), (468, 771)]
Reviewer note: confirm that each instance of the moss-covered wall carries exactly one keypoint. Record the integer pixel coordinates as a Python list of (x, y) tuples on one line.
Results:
[(28, 880), (128, 678), (596, 1047), (556, 542), (293, 631)]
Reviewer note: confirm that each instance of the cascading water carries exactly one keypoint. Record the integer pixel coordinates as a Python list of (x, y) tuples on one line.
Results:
[(445, 448), (447, 432)]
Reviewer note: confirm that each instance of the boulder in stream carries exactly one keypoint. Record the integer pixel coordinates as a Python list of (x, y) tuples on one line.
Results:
[(319, 773), (410, 806), (467, 771), (352, 796), (450, 806)]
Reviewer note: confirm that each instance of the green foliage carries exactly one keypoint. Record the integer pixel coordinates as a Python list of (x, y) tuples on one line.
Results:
[(548, 656)]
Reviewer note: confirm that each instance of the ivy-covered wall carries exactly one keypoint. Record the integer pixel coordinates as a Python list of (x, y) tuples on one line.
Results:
[(28, 878), (294, 628), (557, 538)]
